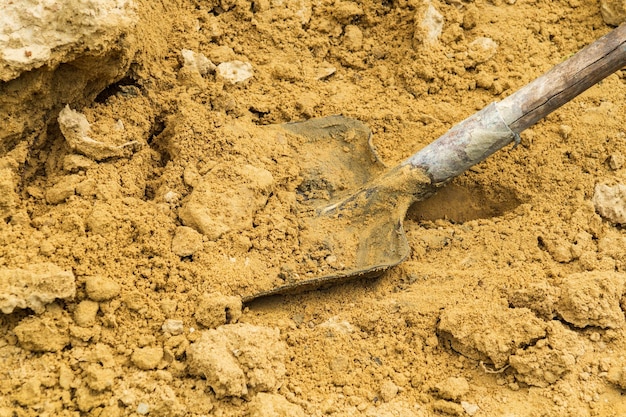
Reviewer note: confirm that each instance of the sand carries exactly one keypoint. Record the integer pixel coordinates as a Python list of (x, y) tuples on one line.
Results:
[(146, 190)]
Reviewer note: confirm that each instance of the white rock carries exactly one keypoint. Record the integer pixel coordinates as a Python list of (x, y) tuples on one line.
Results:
[(469, 408), (173, 327), (610, 202), (34, 33), (197, 61), (235, 71), (75, 128), (428, 24)]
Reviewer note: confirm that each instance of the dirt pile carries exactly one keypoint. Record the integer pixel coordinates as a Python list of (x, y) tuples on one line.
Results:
[(143, 193)]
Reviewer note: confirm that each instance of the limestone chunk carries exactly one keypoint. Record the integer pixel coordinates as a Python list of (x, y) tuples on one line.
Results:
[(235, 71), (75, 129), (34, 286), (610, 202)]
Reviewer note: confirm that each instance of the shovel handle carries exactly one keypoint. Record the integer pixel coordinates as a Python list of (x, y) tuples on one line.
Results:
[(498, 124)]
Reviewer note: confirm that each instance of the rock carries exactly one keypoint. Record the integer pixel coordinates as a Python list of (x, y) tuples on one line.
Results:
[(235, 71), (34, 286), (238, 359), (452, 388), (610, 202), (173, 327), (30, 40), (186, 241), (273, 405), (388, 391), (489, 332), (100, 288), (75, 129), (481, 50), (197, 61), (613, 11), (147, 358), (469, 408), (428, 24), (616, 161), (215, 309), (42, 334), (226, 199), (592, 299), (85, 313)]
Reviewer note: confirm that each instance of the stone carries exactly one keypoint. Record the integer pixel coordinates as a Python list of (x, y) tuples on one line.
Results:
[(147, 358), (173, 327), (388, 391), (610, 202), (428, 24), (481, 50), (613, 11), (75, 129), (235, 71), (100, 288), (197, 61), (215, 309), (34, 286), (186, 241)]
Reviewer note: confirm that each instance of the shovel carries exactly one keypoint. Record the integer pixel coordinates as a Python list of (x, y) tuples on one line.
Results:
[(351, 208)]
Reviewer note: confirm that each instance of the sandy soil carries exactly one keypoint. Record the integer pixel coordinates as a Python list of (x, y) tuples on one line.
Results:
[(123, 260)]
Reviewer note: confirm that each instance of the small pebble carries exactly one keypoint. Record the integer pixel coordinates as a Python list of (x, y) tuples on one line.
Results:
[(143, 409), (173, 327)]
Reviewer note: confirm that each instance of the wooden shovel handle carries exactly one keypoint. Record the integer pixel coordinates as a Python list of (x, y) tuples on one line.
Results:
[(565, 81)]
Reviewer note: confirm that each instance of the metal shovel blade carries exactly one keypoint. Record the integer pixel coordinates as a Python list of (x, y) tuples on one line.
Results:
[(343, 234)]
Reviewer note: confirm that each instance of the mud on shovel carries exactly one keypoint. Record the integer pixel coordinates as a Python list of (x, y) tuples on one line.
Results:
[(351, 209)]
